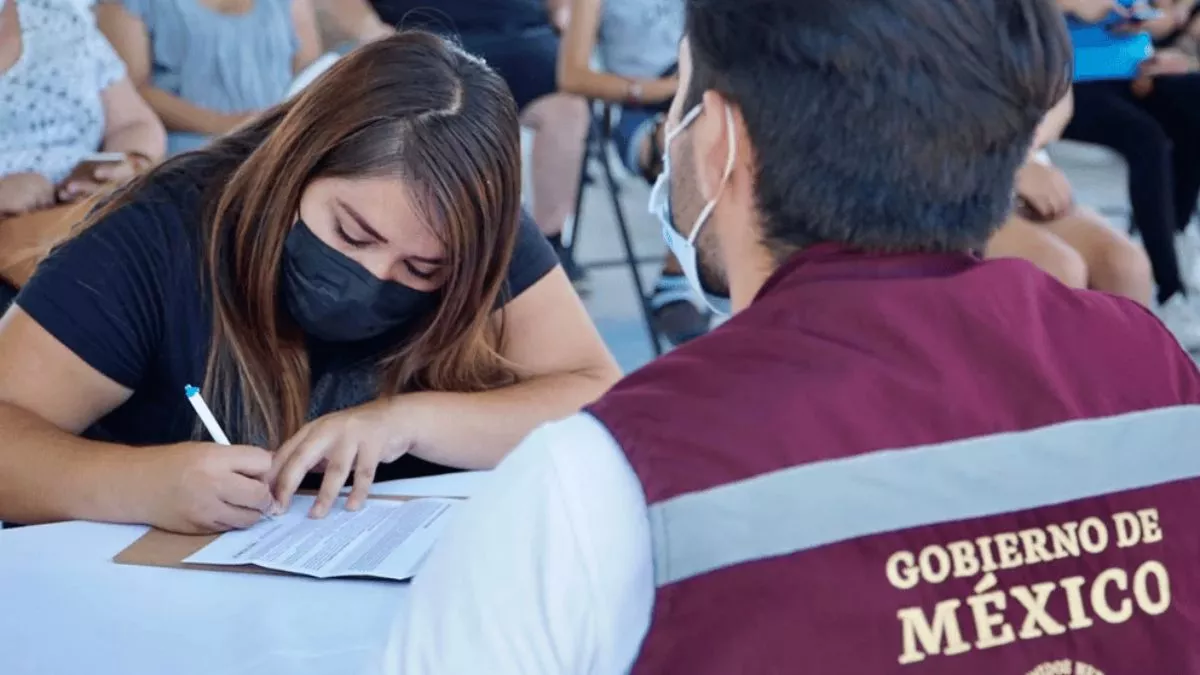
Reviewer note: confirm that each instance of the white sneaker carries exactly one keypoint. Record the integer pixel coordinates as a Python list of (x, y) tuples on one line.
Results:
[(1182, 318)]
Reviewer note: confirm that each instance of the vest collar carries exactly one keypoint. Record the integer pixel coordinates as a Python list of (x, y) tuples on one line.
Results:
[(831, 261)]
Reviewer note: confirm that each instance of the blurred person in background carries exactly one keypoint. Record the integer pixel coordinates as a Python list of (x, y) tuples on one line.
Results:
[(638, 44), (208, 66), (1145, 105), (64, 96), (520, 40), (1068, 241)]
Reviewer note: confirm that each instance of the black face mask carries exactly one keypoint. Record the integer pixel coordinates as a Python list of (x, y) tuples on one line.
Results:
[(335, 299)]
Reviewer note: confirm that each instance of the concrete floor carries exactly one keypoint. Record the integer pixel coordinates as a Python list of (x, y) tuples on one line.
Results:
[(1097, 176)]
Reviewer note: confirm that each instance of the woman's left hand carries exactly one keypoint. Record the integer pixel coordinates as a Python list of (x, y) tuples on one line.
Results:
[(356, 440)]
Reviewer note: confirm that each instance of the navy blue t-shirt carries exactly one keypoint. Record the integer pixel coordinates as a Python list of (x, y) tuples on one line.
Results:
[(461, 16), (127, 297)]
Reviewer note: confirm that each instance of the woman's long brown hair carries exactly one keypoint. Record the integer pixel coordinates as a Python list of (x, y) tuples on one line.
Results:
[(411, 106)]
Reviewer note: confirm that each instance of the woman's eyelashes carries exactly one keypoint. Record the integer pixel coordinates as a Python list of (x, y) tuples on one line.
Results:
[(356, 243), (420, 274)]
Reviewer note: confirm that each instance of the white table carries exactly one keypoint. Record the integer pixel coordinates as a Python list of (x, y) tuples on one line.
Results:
[(66, 608)]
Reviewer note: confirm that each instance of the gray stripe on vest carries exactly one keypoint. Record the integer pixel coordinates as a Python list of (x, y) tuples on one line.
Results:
[(812, 505)]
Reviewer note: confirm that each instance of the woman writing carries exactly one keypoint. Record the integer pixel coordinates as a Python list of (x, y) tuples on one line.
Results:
[(355, 257)]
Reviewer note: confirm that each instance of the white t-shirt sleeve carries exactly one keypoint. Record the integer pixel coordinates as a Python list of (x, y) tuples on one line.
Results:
[(110, 69), (547, 570)]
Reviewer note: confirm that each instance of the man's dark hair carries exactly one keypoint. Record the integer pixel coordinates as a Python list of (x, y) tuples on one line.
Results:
[(883, 124)]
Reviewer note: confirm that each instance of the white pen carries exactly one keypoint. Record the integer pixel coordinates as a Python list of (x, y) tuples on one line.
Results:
[(206, 416), (210, 422)]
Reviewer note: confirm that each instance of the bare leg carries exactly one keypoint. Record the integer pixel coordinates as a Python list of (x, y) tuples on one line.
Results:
[(1115, 264), (560, 124), (1020, 238)]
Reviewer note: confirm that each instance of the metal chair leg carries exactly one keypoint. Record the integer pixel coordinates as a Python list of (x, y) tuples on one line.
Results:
[(614, 192), (597, 143), (569, 242)]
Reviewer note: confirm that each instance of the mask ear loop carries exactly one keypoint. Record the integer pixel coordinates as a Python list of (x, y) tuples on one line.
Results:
[(712, 203), (660, 183), (683, 124)]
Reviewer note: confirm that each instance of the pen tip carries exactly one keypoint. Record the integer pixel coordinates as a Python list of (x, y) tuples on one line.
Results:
[(189, 390)]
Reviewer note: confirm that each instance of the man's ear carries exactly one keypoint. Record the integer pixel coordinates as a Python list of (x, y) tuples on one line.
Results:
[(710, 144)]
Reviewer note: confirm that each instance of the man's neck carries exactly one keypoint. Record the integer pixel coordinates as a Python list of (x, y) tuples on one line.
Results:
[(748, 265)]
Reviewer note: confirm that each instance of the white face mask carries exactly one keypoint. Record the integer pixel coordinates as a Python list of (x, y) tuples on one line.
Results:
[(684, 248)]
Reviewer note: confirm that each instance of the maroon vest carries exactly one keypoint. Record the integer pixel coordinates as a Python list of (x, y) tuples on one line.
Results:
[(920, 464)]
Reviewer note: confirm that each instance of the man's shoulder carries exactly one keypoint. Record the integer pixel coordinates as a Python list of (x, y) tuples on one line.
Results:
[(1106, 353), (712, 368), (564, 461), (557, 540), (555, 442), (1141, 350), (1128, 324)]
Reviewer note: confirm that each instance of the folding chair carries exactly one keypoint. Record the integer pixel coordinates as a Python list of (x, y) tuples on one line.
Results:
[(598, 140)]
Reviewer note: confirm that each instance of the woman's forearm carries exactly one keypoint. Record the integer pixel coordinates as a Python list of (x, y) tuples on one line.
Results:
[(48, 475), (179, 115), (476, 431), (613, 88), (143, 137)]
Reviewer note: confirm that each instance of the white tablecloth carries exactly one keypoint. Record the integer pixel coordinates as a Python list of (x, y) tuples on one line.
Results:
[(66, 608)]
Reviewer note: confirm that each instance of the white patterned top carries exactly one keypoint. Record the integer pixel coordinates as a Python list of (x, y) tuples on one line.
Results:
[(51, 113)]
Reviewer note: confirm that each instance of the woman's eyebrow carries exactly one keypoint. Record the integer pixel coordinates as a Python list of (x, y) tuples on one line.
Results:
[(362, 222)]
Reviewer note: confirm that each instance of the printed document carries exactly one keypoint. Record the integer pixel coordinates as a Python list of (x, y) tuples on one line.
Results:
[(385, 539)]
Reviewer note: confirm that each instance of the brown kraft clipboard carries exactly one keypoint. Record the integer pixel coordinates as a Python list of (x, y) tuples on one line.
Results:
[(158, 548)]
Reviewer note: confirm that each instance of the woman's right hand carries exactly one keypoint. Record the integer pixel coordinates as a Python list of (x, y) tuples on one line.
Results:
[(1045, 189), (25, 192), (202, 488)]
